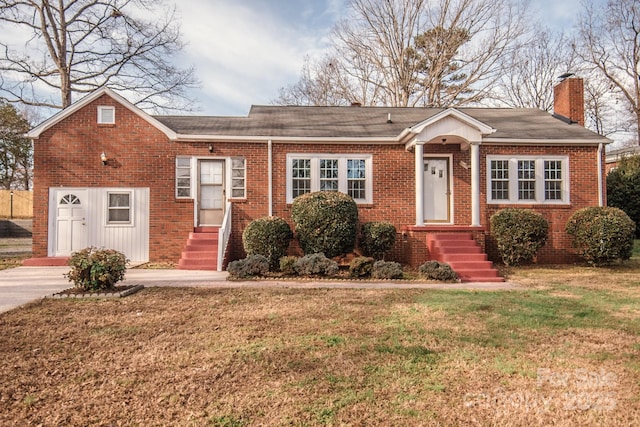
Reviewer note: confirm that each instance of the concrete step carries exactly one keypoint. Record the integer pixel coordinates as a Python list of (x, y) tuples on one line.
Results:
[(201, 250)]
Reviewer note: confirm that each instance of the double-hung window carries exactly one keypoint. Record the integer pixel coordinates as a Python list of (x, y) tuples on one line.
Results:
[(183, 177), (119, 207), (348, 173), (528, 179)]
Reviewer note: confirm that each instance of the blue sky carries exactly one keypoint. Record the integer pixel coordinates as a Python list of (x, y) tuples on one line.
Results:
[(244, 51)]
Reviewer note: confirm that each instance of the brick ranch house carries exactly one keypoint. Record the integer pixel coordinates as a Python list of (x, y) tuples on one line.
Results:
[(181, 189)]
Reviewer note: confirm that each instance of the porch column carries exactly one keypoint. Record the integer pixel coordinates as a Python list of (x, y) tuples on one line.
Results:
[(419, 165), (475, 184)]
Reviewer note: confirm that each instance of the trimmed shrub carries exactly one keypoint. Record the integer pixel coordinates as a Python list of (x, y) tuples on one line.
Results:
[(361, 266), (377, 238), (386, 270), (601, 235), (269, 237), (315, 265), (287, 263), (253, 265), (435, 270), (519, 233), (326, 222), (95, 269), (623, 188)]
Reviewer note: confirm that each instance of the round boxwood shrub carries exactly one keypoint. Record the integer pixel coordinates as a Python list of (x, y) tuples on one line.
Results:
[(435, 270), (326, 222), (386, 270), (95, 269), (315, 265), (253, 265), (601, 235), (269, 237), (377, 238), (519, 233)]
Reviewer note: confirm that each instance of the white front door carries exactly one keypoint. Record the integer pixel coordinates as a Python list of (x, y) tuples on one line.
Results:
[(437, 192), (71, 222), (211, 194)]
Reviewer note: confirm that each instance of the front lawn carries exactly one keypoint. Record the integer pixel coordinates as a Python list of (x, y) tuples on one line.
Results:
[(563, 351)]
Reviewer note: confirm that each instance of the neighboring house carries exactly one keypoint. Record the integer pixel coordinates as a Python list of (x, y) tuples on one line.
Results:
[(108, 174), (613, 157)]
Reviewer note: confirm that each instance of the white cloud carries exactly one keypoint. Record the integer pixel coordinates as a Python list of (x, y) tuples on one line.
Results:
[(246, 50)]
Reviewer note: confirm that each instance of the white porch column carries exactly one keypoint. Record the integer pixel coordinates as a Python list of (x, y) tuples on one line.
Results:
[(419, 164), (475, 184)]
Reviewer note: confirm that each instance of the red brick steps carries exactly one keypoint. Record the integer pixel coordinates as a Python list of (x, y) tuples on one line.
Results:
[(201, 250), (463, 254)]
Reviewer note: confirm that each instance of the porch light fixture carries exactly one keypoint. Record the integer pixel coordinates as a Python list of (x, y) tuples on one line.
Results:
[(103, 158), (211, 148)]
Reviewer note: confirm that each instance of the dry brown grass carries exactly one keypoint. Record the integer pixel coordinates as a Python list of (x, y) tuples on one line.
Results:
[(562, 352)]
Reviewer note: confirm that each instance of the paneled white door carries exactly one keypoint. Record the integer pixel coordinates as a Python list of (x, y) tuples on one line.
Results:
[(437, 190), (71, 222)]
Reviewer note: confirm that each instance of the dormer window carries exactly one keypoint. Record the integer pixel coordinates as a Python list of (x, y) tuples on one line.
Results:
[(106, 115)]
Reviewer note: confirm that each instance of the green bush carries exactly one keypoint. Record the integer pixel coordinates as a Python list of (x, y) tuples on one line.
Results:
[(253, 265), (435, 270), (386, 270), (519, 233), (361, 266), (623, 188), (326, 222), (95, 269), (377, 238), (287, 263), (269, 237), (315, 265), (601, 235)]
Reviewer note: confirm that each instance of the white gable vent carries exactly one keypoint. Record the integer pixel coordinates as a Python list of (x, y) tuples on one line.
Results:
[(106, 115)]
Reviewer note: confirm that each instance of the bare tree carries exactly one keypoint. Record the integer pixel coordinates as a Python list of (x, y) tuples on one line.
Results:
[(417, 52), (78, 46), (532, 70), (609, 39)]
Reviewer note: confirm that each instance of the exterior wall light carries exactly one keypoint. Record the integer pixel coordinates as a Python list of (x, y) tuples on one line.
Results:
[(211, 148), (103, 158)]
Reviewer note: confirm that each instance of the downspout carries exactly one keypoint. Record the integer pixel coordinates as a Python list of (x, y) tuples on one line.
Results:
[(600, 176), (270, 175)]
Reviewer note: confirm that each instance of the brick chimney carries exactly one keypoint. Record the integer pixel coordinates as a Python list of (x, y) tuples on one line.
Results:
[(568, 100)]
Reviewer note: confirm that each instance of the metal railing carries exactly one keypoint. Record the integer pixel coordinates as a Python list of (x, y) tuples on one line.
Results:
[(223, 235)]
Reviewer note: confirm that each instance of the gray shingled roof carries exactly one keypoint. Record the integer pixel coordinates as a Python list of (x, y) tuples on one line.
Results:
[(371, 122)]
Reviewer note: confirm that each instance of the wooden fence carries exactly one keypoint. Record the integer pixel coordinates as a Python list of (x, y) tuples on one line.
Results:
[(20, 205)]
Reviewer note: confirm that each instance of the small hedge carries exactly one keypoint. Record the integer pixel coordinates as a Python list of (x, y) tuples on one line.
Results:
[(435, 270), (519, 233), (253, 265), (361, 266), (377, 238), (315, 265), (326, 222), (386, 270), (287, 263), (95, 269), (601, 235), (269, 237)]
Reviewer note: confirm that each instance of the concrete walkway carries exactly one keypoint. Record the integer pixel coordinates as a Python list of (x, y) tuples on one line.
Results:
[(21, 285)]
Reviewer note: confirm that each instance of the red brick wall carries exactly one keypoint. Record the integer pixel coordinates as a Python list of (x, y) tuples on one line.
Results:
[(68, 154), (568, 99), (583, 192)]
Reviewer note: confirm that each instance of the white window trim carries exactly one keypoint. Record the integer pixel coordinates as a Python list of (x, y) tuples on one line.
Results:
[(513, 180), (191, 177), (101, 110), (229, 172), (131, 222), (342, 173)]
